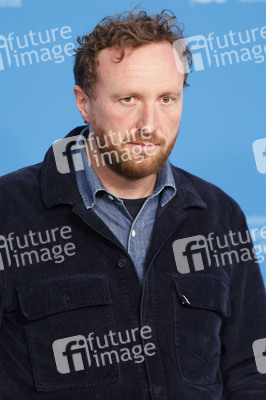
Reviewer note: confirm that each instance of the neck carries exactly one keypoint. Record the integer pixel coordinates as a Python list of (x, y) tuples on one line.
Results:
[(120, 185)]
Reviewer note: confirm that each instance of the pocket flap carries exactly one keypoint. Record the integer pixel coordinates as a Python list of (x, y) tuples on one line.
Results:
[(208, 292), (44, 297)]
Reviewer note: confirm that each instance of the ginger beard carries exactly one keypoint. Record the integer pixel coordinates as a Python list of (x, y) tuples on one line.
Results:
[(114, 155)]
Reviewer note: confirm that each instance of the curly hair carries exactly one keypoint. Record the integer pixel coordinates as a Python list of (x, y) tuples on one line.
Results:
[(121, 30)]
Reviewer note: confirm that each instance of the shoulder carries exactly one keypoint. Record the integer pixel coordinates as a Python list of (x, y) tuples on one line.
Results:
[(215, 198), (20, 184)]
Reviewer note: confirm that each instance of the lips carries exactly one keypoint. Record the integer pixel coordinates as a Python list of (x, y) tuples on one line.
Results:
[(150, 145)]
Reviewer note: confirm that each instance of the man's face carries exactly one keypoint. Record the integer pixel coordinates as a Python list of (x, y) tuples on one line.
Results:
[(138, 107)]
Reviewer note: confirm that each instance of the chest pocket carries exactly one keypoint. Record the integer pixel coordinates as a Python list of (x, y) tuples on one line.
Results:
[(201, 303), (60, 316)]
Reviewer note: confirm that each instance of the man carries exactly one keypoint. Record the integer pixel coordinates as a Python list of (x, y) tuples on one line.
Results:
[(123, 277)]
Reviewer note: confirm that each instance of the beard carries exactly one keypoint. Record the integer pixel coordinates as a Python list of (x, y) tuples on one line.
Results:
[(113, 155)]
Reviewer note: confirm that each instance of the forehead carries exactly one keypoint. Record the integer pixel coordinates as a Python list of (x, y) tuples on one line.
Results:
[(155, 64)]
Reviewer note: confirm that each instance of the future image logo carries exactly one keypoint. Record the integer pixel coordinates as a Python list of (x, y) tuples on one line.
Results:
[(77, 353), (71, 354), (252, 1), (76, 143), (193, 2), (35, 47), (191, 253), (82, 151), (259, 150), (35, 247), (199, 47), (227, 49), (197, 253), (10, 3), (259, 349)]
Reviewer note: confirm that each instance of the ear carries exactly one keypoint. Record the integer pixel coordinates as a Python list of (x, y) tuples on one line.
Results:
[(83, 103)]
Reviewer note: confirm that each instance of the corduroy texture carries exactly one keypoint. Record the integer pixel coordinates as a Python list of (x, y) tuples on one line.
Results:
[(203, 340)]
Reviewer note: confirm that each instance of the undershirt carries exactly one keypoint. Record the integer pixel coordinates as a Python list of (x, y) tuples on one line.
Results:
[(133, 206)]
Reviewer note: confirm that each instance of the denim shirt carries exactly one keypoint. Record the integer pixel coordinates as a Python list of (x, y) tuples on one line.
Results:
[(134, 235)]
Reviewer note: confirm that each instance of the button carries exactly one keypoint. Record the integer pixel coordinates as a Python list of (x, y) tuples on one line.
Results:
[(67, 299), (110, 197), (133, 233), (122, 263)]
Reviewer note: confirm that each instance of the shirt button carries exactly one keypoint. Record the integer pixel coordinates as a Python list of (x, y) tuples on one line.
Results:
[(110, 197), (122, 263), (67, 300), (133, 233)]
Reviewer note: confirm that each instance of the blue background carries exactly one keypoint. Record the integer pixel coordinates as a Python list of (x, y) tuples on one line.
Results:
[(224, 108)]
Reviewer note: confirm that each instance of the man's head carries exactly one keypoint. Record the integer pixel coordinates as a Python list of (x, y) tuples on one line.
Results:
[(129, 80)]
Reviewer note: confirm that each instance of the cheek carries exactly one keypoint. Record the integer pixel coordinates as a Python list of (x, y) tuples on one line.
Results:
[(114, 120), (170, 124)]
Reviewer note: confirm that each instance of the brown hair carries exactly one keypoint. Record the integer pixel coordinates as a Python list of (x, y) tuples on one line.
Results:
[(125, 29)]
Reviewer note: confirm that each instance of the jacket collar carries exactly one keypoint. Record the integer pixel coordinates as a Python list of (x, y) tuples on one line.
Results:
[(61, 188)]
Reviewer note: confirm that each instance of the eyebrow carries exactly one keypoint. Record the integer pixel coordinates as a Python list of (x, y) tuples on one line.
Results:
[(133, 93), (171, 93)]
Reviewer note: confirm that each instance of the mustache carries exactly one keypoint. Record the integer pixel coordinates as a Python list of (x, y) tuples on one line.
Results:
[(153, 139), (105, 139)]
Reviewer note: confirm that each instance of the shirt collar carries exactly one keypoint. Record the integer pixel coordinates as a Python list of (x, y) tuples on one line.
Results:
[(90, 185), (59, 186)]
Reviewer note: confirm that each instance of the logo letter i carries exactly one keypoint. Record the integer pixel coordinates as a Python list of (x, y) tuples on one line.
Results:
[(4, 46), (1, 63)]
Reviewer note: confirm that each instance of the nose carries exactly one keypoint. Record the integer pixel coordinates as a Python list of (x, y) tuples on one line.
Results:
[(147, 120)]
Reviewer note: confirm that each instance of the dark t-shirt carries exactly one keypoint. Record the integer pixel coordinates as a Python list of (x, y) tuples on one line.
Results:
[(134, 205)]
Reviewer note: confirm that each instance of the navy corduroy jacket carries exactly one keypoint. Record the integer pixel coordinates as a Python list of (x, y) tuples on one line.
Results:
[(74, 321)]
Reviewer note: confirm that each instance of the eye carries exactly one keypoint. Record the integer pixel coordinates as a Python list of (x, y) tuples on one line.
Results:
[(128, 99), (167, 100)]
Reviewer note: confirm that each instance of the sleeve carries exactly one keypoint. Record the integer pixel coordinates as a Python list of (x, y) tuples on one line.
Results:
[(246, 324), (1, 299)]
